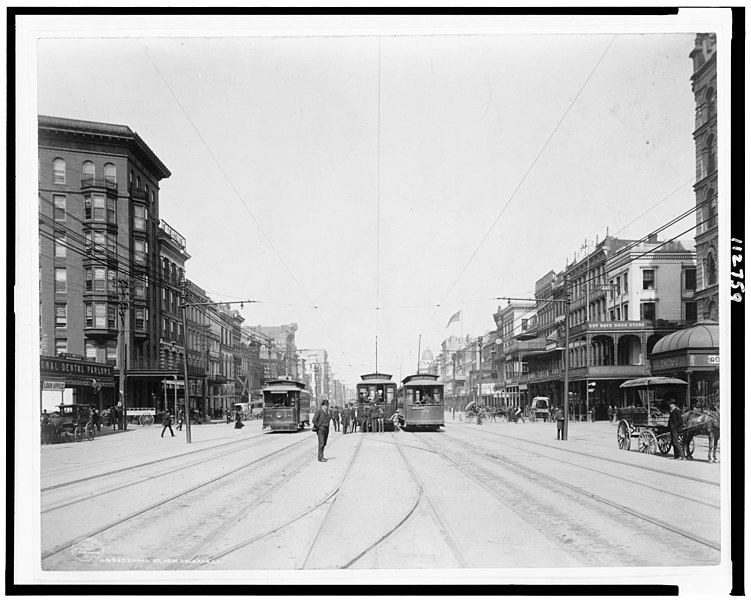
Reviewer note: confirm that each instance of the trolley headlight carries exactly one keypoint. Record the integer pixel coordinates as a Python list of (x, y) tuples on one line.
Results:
[(278, 415)]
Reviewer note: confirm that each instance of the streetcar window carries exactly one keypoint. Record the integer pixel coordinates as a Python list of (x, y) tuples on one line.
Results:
[(410, 396), (389, 395)]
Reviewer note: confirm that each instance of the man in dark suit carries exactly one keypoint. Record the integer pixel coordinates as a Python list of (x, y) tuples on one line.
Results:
[(675, 424), (321, 421)]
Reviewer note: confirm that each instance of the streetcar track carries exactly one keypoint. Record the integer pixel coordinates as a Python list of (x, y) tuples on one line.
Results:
[(612, 460), (194, 553), (449, 537), (130, 484), (301, 564), (245, 543), (606, 474), (68, 543), (582, 492), (420, 494), (140, 465)]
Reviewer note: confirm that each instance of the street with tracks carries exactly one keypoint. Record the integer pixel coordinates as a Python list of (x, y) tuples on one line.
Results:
[(497, 495)]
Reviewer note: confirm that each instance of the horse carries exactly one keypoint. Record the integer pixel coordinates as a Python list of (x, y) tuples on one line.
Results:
[(707, 423)]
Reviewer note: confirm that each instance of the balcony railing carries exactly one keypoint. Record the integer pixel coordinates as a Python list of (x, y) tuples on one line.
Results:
[(93, 182), (172, 233)]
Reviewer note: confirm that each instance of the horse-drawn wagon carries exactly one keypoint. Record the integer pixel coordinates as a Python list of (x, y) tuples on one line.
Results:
[(646, 418)]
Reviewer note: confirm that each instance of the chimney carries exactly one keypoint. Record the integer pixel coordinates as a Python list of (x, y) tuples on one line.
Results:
[(652, 239)]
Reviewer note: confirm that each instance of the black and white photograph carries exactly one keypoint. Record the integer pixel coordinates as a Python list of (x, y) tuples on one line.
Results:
[(374, 300)]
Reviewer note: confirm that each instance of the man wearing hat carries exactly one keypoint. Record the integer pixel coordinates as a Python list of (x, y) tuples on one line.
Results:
[(321, 421), (675, 424)]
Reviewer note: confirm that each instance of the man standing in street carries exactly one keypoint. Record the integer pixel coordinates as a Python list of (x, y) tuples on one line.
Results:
[(321, 421), (345, 419), (675, 424), (167, 422), (558, 416), (335, 417)]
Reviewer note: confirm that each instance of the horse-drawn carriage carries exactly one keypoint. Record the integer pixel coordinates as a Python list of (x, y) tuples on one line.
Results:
[(646, 417)]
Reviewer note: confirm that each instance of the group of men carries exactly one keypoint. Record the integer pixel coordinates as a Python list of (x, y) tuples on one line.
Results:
[(370, 418)]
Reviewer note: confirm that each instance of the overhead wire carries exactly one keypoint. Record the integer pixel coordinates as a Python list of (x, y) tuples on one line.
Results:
[(526, 174)]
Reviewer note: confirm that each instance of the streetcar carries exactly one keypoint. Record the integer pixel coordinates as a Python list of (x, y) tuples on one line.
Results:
[(286, 405), (378, 389), (420, 402)]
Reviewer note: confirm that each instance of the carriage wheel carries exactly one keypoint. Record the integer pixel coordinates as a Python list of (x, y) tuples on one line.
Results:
[(624, 436), (647, 442), (90, 433), (688, 449), (664, 444), (77, 434)]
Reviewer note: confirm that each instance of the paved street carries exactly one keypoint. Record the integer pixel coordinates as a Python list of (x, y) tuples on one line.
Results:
[(496, 495)]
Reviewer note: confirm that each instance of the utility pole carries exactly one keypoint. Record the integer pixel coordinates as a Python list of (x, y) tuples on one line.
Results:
[(183, 306), (479, 385), (567, 306), (123, 304)]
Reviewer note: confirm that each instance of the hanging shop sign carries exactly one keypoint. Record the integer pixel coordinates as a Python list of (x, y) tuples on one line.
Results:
[(53, 386)]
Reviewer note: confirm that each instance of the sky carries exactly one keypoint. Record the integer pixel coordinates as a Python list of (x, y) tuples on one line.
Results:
[(419, 174)]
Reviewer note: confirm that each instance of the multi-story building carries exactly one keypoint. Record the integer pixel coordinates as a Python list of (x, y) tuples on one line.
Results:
[(704, 85), (197, 321), (609, 337), (517, 343), (99, 215), (448, 368), (224, 360), (317, 372), (280, 351), (251, 370)]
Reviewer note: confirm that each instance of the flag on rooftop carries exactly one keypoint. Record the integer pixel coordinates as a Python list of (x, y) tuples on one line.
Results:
[(455, 317)]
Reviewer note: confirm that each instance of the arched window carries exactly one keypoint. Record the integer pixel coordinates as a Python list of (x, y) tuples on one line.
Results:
[(710, 101), (58, 170), (110, 173), (89, 171), (711, 267), (131, 178), (711, 158), (138, 182)]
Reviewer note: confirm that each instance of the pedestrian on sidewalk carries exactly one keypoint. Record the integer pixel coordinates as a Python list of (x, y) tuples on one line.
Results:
[(180, 419), (321, 421), (558, 416), (95, 418), (167, 422), (239, 420), (381, 419), (45, 427)]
